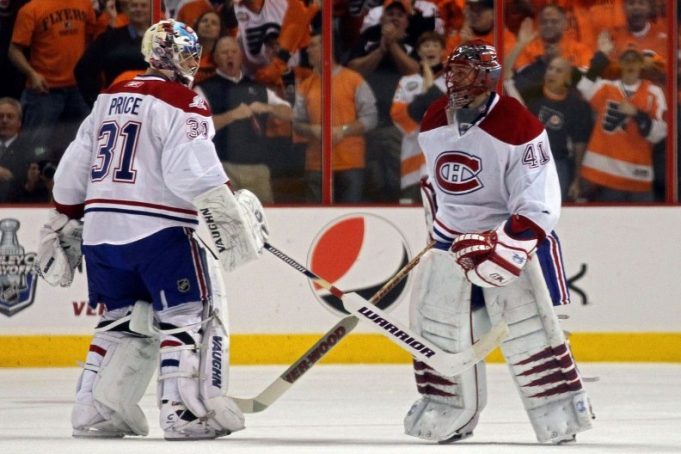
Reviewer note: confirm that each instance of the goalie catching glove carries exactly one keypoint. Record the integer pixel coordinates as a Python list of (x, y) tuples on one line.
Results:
[(59, 250), (236, 223), (496, 258)]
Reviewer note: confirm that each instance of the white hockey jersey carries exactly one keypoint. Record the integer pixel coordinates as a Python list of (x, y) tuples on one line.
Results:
[(500, 166), (138, 160)]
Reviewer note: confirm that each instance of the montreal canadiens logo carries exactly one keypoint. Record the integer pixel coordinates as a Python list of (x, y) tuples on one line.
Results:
[(358, 253), (457, 172)]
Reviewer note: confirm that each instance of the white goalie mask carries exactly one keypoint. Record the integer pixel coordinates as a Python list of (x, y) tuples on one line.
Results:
[(172, 48)]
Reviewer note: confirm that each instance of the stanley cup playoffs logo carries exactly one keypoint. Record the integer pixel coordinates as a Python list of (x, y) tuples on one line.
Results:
[(18, 270), (358, 253)]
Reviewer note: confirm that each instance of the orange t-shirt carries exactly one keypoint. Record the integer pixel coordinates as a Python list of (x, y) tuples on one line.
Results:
[(652, 43), (56, 32), (576, 53), (349, 152)]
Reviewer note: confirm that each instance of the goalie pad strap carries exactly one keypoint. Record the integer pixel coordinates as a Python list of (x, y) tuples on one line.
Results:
[(228, 227)]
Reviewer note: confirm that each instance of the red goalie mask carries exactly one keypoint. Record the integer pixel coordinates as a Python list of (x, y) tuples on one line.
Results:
[(471, 69)]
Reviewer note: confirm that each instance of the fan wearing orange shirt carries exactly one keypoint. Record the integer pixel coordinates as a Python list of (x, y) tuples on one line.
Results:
[(478, 24), (353, 112), (640, 32), (552, 41), (55, 33)]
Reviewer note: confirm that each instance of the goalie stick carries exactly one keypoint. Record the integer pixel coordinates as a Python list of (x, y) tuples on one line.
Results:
[(321, 348), (446, 363)]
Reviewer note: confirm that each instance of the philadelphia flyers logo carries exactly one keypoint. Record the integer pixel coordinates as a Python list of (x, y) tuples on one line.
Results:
[(457, 172)]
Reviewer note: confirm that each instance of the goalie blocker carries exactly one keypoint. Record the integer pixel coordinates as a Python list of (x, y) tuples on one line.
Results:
[(236, 223)]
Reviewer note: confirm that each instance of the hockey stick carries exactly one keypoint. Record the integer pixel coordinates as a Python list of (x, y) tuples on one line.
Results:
[(446, 363), (321, 348)]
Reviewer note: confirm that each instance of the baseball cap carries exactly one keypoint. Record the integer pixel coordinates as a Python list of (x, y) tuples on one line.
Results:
[(631, 54), (405, 4), (482, 3)]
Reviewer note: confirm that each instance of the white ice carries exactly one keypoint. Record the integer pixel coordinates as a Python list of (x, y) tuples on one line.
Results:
[(357, 409)]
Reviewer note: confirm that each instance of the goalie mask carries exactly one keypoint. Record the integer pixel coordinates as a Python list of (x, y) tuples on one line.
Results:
[(172, 48), (471, 70)]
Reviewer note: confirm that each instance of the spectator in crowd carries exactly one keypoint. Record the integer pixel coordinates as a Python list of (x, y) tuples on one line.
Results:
[(618, 163), (382, 58), (348, 17), (110, 13), (642, 33), (551, 41), (113, 52), (353, 112), (209, 28), (414, 94), (189, 11), (451, 12), (11, 79), (15, 153), (228, 17), (565, 115), (478, 24), (288, 20), (423, 16), (240, 108), (55, 34), (37, 185)]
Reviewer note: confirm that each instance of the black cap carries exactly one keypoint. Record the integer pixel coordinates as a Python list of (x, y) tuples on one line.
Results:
[(483, 3)]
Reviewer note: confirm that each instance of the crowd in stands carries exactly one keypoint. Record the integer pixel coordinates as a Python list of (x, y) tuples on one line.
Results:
[(593, 71)]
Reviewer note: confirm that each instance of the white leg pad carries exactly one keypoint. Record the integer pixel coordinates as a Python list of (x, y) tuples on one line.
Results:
[(440, 311), (540, 361), (116, 375), (193, 380)]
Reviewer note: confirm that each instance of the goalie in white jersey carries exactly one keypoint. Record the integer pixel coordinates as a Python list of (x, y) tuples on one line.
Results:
[(494, 198), (140, 166)]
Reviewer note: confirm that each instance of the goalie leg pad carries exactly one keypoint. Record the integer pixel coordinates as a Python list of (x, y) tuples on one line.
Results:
[(441, 312), (540, 361), (193, 377), (117, 372)]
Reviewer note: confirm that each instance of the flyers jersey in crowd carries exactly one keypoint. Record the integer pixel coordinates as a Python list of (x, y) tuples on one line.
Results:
[(413, 164), (286, 20), (618, 156)]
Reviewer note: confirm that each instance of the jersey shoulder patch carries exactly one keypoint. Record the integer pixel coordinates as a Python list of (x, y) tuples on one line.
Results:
[(172, 93), (511, 123), (436, 115)]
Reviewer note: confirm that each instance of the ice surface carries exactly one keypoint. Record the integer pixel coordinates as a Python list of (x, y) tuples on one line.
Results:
[(357, 409)]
